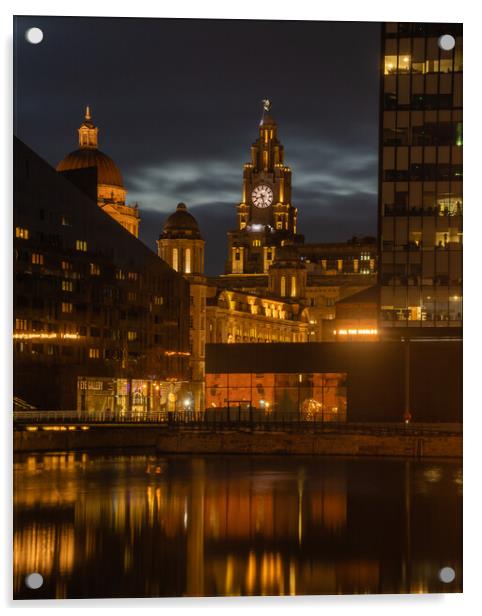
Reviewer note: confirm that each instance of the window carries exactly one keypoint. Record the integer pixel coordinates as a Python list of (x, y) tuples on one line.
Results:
[(21, 233), (187, 261), (37, 258), (94, 269), (64, 221), (400, 64), (133, 276), (120, 275), (283, 286), (67, 307), (175, 259), (256, 242), (158, 300), (81, 245), (293, 286), (67, 285), (237, 256), (131, 296), (131, 335), (94, 353), (20, 324), (66, 265)]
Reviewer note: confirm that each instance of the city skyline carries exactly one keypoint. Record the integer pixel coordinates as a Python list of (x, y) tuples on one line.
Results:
[(333, 153)]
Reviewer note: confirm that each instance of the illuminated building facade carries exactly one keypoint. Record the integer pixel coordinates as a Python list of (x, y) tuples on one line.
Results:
[(267, 255), (182, 247), (111, 194), (420, 180), (99, 319), (353, 380), (239, 316), (218, 313)]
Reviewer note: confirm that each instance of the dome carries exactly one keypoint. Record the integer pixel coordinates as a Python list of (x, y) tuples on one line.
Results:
[(107, 170), (181, 224)]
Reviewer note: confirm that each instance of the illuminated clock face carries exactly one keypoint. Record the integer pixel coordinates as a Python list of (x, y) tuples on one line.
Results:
[(262, 196)]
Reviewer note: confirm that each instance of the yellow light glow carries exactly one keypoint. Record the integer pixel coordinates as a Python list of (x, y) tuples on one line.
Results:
[(356, 332), (178, 353), (43, 336)]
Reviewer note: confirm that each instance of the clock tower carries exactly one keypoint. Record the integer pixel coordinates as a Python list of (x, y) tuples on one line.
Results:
[(266, 218)]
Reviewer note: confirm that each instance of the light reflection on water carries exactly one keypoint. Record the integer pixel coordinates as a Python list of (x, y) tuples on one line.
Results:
[(118, 525)]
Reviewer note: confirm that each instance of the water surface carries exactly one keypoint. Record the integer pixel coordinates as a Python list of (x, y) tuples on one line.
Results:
[(131, 525)]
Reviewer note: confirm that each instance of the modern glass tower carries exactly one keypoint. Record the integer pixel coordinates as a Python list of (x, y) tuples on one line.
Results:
[(420, 180)]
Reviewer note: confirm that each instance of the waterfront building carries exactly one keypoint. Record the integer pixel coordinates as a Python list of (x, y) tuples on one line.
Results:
[(360, 381), (420, 180), (267, 254), (111, 193), (100, 322), (182, 247)]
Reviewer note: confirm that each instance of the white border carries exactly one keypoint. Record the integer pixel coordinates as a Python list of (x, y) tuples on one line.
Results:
[(353, 10)]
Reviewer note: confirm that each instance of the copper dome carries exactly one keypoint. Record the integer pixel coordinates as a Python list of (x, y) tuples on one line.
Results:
[(107, 171), (181, 224)]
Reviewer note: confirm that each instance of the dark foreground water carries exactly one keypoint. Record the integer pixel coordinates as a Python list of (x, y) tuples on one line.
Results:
[(135, 525)]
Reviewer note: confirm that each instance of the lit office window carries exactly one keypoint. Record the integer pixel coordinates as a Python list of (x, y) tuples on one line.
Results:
[(81, 245)]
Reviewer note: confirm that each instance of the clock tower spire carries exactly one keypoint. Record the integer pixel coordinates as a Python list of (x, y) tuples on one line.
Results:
[(266, 217)]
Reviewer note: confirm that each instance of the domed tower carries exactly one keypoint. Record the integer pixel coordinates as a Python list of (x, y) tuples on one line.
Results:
[(111, 194), (287, 275), (181, 245)]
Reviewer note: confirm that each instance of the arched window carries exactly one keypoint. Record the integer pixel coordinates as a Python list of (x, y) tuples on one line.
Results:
[(293, 286), (283, 286), (187, 261), (175, 259)]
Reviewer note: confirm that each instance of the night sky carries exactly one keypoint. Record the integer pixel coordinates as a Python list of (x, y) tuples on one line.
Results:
[(178, 103)]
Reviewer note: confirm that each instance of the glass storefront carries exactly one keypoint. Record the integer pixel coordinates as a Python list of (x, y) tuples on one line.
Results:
[(307, 396), (134, 396)]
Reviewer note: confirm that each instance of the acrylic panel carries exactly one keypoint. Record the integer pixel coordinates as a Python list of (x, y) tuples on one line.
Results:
[(237, 306)]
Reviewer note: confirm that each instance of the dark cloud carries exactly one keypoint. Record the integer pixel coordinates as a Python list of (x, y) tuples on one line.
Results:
[(177, 102)]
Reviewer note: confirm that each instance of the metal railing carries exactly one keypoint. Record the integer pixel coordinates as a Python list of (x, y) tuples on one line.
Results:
[(233, 418)]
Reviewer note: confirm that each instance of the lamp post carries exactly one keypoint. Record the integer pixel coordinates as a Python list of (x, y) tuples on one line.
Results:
[(407, 415)]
